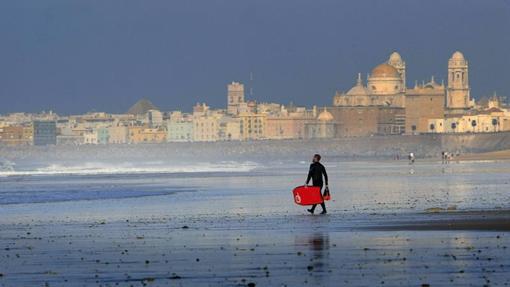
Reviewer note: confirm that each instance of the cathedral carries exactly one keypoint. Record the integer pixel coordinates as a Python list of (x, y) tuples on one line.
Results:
[(385, 86), (389, 107)]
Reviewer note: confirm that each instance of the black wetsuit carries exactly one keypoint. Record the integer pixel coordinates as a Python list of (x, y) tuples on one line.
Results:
[(317, 170)]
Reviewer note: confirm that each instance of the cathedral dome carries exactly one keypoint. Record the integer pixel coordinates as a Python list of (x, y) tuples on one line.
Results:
[(325, 116), (358, 89), (385, 71), (457, 56)]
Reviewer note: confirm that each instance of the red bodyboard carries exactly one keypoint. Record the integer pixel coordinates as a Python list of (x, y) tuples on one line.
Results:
[(307, 195)]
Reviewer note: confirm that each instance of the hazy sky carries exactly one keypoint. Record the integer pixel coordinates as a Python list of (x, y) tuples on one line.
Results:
[(78, 56)]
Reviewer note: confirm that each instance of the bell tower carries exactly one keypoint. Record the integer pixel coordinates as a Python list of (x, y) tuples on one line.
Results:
[(396, 61), (457, 96), (235, 97)]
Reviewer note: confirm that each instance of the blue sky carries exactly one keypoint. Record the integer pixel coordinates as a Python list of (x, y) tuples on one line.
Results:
[(79, 56)]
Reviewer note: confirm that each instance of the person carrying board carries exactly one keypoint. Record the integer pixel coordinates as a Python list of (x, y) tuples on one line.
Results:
[(317, 170)]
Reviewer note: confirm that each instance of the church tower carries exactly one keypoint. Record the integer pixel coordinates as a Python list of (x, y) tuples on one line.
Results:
[(396, 61), (457, 96), (235, 97)]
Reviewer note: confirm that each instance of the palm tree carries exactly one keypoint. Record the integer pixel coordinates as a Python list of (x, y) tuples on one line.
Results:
[(495, 123), (432, 127), (454, 126)]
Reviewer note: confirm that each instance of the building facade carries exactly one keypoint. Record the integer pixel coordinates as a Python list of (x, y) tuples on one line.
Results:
[(252, 126), (423, 102), (206, 127), (45, 133), (144, 134), (322, 128), (16, 135), (180, 131)]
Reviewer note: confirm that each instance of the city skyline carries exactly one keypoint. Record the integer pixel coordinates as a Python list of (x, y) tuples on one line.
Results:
[(99, 63)]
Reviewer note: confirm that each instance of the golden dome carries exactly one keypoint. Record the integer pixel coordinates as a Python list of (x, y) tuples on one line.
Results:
[(325, 116), (358, 90), (457, 56), (385, 71)]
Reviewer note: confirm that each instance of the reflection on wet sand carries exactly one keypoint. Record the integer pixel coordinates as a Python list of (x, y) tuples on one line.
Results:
[(317, 244)]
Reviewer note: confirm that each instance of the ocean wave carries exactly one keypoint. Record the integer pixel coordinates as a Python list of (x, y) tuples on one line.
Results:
[(98, 168)]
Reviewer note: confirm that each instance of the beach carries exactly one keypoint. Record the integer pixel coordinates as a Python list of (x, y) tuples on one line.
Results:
[(235, 224), (494, 155)]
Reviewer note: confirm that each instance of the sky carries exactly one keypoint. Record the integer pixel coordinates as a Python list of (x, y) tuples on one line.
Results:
[(80, 56)]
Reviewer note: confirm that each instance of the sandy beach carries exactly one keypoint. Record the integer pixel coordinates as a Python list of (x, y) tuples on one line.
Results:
[(495, 155), (389, 224), (293, 250)]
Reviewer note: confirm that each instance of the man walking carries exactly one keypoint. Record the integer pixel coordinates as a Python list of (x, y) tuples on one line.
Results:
[(317, 170)]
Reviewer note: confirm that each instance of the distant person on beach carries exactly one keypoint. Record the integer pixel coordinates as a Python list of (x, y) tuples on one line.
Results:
[(317, 170), (411, 158)]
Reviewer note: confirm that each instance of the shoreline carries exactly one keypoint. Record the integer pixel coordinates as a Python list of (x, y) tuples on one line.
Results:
[(424, 146)]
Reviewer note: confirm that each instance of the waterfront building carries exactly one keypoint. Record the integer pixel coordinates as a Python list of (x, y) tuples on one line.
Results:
[(423, 102), (323, 127), (90, 137), (179, 127), (206, 127), (154, 118), (485, 121), (180, 131), (118, 134), (103, 135), (15, 135), (368, 121), (252, 126), (70, 140), (200, 109), (230, 128), (289, 123), (144, 134), (45, 133), (270, 108)]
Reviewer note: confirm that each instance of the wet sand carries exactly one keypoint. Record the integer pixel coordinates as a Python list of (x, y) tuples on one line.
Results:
[(389, 224), (450, 249), (495, 155), (493, 220)]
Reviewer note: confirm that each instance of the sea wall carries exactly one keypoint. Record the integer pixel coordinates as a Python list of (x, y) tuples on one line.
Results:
[(427, 145)]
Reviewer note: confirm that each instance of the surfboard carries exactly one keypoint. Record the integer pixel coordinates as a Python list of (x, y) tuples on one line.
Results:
[(307, 195)]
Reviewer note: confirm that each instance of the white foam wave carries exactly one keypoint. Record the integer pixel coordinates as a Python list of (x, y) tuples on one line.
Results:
[(95, 168)]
